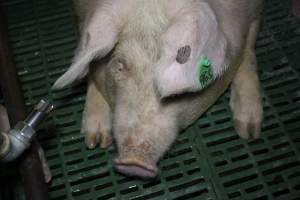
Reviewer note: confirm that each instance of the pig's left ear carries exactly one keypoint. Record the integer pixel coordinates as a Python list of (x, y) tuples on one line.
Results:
[(98, 38), (194, 53)]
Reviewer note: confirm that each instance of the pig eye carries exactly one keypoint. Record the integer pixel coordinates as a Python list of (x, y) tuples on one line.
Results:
[(118, 68), (117, 65), (120, 65)]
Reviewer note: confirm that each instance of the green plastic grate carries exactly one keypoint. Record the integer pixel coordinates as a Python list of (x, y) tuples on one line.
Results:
[(208, 161)]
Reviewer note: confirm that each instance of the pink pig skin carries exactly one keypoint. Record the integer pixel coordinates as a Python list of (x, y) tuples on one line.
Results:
[(138, 90)]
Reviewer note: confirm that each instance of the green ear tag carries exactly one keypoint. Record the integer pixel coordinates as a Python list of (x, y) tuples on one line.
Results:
[(205, 72)]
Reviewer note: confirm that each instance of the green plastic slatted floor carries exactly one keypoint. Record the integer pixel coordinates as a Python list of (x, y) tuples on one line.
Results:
[(208, 161)]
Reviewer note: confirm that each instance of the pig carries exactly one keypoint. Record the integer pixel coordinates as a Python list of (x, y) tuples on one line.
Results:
[(155, 66)]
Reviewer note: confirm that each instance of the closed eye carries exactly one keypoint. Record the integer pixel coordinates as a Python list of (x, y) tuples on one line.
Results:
[(118, 68)]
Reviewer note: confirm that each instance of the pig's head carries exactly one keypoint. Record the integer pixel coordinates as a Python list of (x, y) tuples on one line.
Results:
[(149, 61), (143, 127)]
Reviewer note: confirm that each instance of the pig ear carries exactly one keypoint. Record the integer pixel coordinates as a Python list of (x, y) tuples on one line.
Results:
[(98, 38), (194, 59)]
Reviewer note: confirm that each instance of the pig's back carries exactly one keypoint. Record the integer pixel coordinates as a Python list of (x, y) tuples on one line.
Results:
[(141, 35), (235, 17), (245, 9)]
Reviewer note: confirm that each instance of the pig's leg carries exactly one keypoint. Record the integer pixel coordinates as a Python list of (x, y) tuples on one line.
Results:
[(96, 122), (245, 100)]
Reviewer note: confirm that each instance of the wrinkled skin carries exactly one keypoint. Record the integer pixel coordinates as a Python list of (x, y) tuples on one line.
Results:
[(141, 93)]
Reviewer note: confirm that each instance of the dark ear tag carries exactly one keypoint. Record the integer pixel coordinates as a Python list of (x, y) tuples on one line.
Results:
[(183, 54)]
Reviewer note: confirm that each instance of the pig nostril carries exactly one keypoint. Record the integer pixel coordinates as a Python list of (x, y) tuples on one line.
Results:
[(135, 169)]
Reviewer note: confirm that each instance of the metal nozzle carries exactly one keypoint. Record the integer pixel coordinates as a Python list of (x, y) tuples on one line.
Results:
[(39, 112)]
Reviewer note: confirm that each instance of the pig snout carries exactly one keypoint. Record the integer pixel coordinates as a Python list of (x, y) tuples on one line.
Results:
[(136, 158), (136, 167), (141, 148)]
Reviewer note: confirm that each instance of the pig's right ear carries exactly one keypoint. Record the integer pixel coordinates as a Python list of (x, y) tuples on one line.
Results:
[(97, 40)]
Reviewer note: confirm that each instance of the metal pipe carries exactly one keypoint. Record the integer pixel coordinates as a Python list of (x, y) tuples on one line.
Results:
[(30, 166), (39, 112), (19, 138)]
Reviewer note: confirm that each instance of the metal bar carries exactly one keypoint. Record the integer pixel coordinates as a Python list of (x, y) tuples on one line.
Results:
[(30, 166)]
